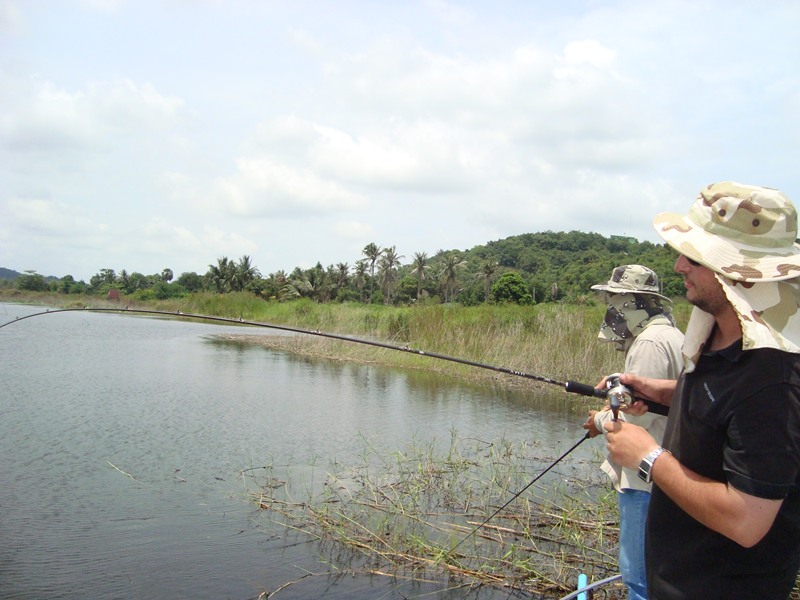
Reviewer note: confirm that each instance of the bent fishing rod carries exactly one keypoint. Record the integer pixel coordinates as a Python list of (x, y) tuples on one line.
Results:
[(616, 394)]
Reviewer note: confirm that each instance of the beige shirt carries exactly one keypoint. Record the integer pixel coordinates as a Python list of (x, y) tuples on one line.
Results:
[(656, 353)]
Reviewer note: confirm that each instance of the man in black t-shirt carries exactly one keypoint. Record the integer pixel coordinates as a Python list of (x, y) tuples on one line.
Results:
[(724, 517)]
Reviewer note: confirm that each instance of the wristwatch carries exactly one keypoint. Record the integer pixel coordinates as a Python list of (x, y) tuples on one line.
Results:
[(646, 466)]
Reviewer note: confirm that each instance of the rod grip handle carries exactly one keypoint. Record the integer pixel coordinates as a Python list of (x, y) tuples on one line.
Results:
[(584, 389), (655, 407)]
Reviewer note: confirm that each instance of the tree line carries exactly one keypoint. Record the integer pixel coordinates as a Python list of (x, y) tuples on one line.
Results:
[(525, 269)]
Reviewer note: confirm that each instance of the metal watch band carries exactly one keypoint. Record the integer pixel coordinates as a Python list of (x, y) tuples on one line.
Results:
[(646, 466)]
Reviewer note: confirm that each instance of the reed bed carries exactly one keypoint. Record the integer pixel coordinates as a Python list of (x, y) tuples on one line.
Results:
[(558, 341), (418, 514), (555, 341)]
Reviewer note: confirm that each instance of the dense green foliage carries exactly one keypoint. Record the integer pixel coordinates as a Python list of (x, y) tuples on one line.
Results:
[(523, 269), (510, 287)]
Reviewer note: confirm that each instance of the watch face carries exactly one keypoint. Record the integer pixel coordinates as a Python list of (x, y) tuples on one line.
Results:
[(647, 464)]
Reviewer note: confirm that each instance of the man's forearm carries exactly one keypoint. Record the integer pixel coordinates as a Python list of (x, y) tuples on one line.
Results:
[(743, 518), (657, 390)]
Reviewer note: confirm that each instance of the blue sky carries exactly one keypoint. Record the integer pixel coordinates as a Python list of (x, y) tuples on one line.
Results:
[(143, 134)]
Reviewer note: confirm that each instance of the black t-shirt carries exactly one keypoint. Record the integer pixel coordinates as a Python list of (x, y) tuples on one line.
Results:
[(735, 419)]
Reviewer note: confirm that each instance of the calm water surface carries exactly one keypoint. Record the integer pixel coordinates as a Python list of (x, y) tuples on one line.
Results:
[(123, 439)]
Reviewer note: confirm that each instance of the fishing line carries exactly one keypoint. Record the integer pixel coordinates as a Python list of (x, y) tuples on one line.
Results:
[(518, 494)]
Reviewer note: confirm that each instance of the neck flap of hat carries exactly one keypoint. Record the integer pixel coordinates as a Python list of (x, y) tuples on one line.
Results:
[(769, 313), (627, 316)]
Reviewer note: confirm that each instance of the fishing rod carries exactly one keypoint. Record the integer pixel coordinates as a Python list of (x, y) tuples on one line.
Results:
[(617, 394)]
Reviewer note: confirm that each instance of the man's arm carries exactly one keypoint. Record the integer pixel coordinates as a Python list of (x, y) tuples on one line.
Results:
[(657, 390), (741, 517)]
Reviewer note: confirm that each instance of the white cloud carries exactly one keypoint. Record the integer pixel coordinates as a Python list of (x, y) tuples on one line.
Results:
[(354, 230), (162, 234), (264, 187), (396, 155), (46, 217), (222, 243), (573, 107), (589, 52), (304, 40), (10, 16), (99, 116)]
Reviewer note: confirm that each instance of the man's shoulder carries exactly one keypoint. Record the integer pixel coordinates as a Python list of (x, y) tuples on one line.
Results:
[(780, 364), (656, 352), (661, 331)]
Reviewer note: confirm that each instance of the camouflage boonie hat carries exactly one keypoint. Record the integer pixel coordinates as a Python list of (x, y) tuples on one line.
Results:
[(744, 232), (632, 278)]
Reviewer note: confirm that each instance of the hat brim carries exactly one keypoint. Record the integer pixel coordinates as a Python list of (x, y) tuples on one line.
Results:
[(619, 290), (735, 261)]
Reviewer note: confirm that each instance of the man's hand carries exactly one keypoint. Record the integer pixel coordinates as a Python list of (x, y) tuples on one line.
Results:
[(636, 408), (590, 426), (657, 390), (628, 444)]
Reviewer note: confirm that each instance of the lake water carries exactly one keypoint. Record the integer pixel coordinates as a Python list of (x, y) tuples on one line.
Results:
[(123, 440)]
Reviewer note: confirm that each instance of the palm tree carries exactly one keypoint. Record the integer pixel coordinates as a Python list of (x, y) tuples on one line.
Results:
[(342, 271), (243, 273), (487, 273), (373, 253), (125, 281), (296, 288), (277, 281), (315, 282), (388, 272), (452, 265), (221, 275), (419, 268), (280, 277), (360, 276)]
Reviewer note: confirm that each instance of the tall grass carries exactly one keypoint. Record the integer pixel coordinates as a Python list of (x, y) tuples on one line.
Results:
[(558, 341)]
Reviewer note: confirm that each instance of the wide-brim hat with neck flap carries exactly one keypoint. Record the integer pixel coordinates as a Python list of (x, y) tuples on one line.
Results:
[(628, 279), (743, 232)]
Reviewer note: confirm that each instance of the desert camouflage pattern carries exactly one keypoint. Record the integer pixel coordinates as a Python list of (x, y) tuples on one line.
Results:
[(631, 278), (769, 312), (744, 232), (628, 314)]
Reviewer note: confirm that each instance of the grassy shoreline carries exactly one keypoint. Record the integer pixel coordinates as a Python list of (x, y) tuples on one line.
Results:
[(556, 341)]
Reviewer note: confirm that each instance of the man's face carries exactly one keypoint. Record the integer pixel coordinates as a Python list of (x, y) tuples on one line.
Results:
[(702, 288)]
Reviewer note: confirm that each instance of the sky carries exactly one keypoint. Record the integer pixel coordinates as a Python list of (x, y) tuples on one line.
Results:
[(144, 134)]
